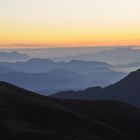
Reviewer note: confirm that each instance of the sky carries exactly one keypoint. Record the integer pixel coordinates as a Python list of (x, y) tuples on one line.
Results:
[(69, 22)]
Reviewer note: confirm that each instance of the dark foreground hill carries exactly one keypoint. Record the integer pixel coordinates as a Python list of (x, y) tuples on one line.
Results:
[(26, 115), (119, 115), (126, 90)]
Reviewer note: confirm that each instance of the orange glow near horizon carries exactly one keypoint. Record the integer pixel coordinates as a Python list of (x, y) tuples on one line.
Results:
[(75, 23)]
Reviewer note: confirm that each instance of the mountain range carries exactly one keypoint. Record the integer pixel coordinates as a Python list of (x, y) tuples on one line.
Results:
[(38, 65), (13, 56), (47, 77), (26, 115), (126, 90), (115, 56)]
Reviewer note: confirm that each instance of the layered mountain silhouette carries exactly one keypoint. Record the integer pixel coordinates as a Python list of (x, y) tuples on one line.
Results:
[(126, 90), (13, 56), (58, 79), (38, 65), (47, 77), (130, 66), (51, 82), (26, 115), (119, 55)]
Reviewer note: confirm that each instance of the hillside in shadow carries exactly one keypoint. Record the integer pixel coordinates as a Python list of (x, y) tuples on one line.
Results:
[(27, 115)]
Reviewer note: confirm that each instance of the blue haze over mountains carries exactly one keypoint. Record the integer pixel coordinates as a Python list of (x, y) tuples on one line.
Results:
[(93, 94), (13, 56), (51, 70), (47, 76)]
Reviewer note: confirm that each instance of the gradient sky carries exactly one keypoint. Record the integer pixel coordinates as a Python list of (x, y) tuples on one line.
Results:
[(70, 22)]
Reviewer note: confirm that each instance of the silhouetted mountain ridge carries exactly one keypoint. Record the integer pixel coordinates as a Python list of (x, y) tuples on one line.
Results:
[(47, 77), (119, 55), (38, 65), (13, 56), (126, 90), (26, 115)]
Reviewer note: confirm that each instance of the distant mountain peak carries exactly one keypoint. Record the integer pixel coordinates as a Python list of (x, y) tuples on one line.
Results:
[(13, 56)]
